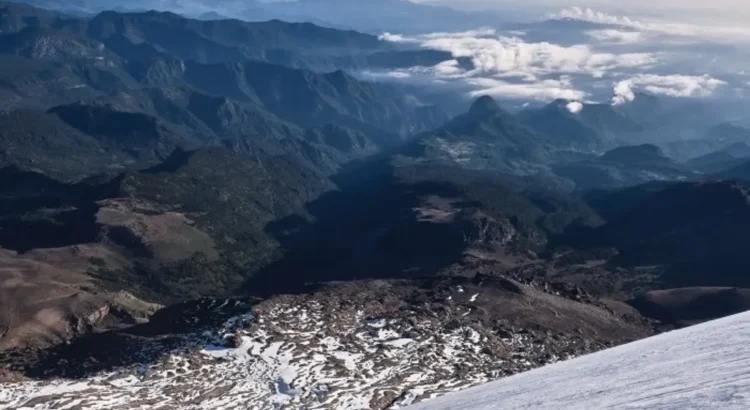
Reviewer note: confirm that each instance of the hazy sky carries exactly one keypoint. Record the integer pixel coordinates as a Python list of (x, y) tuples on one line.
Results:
[(735, 10)]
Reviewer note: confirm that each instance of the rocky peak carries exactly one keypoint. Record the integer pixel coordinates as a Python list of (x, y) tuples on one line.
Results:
[(483, 105)]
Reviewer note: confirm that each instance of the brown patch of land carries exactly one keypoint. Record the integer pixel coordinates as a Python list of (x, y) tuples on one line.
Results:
[(47, 296), (167, 236)]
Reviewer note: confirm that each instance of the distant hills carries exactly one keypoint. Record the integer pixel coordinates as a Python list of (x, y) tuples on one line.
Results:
[(692, 229), (486, 137), (722, 159), (363, 15), (637, 154), (555, 146), (134, 128), (737, 170), (128, 85), (587, 127), (621, 167), (715, 139), (137, 36)]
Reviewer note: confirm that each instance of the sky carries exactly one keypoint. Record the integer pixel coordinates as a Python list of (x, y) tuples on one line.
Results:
[(736, 11)]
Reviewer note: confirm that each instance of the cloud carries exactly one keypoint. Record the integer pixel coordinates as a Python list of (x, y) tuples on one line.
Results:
[(623, 92), (616, 36), (625, 54), (510, 67), (514, 55), (719, 33), (482, 32), (588, 14), (669, 85), (574, 107), (544, 90), (448, 68), (393, 38), (501, 55), (400, 38)]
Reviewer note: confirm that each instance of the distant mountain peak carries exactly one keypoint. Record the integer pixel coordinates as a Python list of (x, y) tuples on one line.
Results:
[(483, 105)]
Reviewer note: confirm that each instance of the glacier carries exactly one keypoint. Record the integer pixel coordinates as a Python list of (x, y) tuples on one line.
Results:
[(701, 367)]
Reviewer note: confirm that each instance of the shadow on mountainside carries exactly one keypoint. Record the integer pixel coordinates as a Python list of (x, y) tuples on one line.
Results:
[(367, 229)]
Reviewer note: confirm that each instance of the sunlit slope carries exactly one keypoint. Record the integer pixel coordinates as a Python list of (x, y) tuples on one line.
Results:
[(702, 367)]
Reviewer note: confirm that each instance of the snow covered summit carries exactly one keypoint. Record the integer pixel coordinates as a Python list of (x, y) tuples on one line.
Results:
[(701, 367)]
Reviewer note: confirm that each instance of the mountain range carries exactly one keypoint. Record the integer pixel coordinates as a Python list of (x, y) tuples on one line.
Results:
[(363, 15), (570, 124), (234, 196)]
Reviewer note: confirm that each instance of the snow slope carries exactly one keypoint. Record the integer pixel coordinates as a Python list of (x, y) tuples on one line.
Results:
[(702, 367)]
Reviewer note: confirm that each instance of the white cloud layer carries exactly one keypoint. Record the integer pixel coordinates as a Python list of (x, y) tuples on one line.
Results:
[(544, 90), (491, 53), (634, 54), (513, 68), (720, 32), (669, 85), (588, 14), (615, 36)]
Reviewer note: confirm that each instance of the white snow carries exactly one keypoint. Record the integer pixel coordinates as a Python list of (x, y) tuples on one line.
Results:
[(702, 367), (457, 151), (286, 359), (377, 323), (310, 357), (399, 342), (387, 334)]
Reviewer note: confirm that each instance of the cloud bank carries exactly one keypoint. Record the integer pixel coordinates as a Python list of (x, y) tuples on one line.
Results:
[(671, 85), (720, 33), (613, 58), (512, 56), (544, 90), (616, 36), (510, 67)]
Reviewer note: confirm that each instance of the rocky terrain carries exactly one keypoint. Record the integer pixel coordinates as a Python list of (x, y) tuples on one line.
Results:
[(361, 345)]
